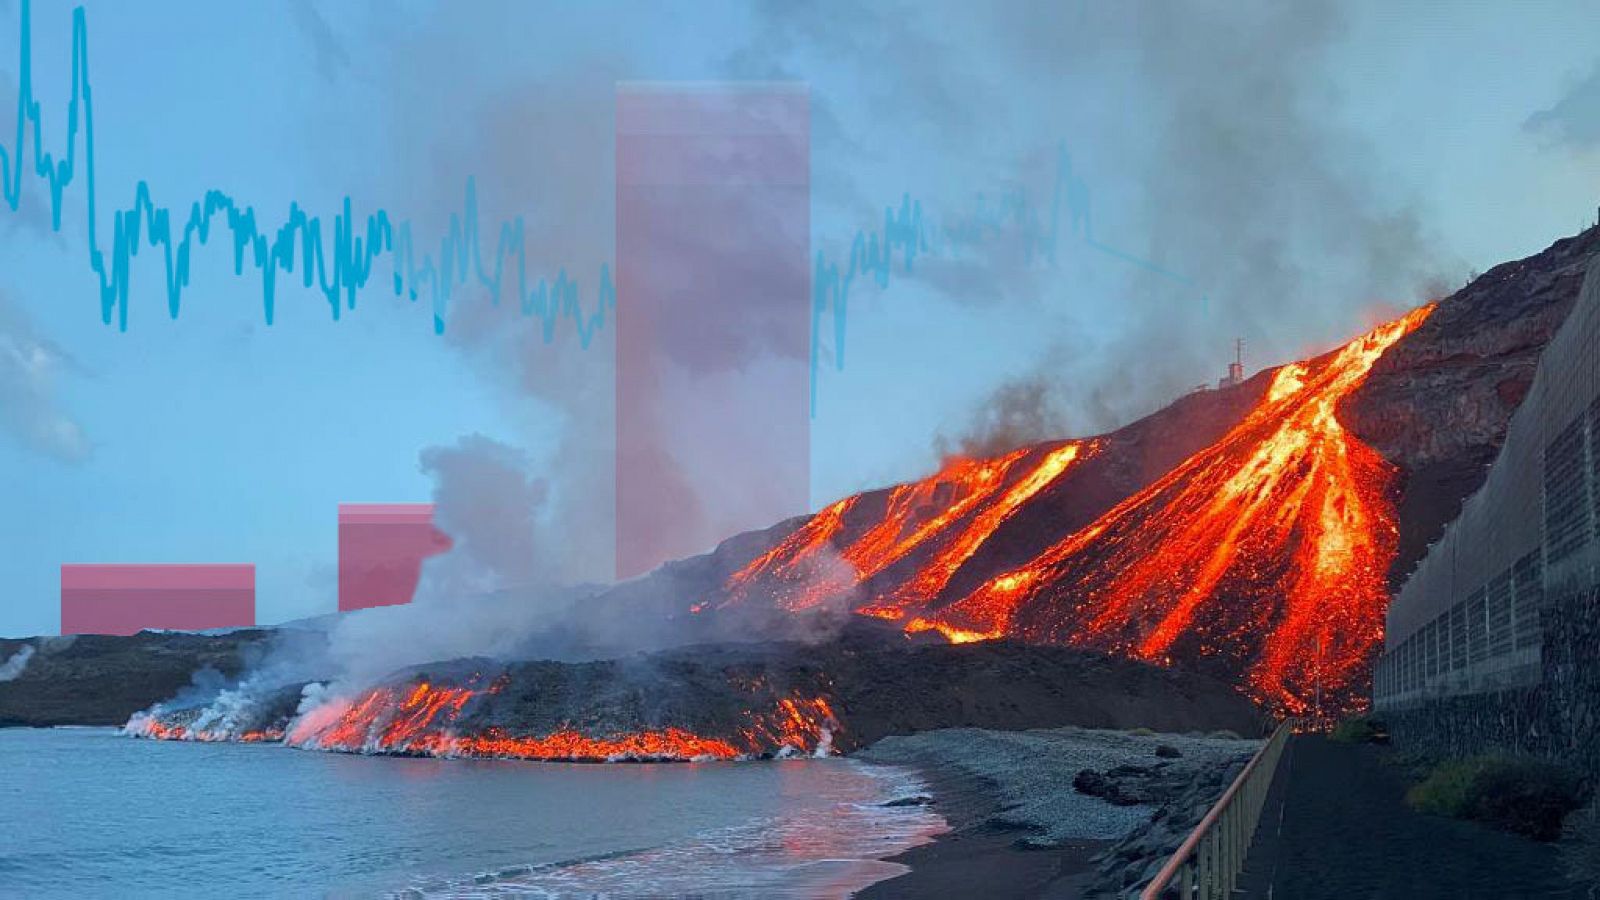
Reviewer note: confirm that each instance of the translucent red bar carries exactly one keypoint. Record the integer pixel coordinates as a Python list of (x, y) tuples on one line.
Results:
[(713, 315), (381, 550), (106, 598)]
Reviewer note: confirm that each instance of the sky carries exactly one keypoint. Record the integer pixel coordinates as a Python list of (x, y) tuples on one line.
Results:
[(1284, 175)]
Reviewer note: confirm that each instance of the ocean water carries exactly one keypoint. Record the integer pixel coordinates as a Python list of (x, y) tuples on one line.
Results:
[(89, 813)]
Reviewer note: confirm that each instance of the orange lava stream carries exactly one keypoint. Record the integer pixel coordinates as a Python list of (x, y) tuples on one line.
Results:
[(806, 569), (1271, 545), (818, 530), (566, 744), (423, 721), (157, 730), (889, 542), (931, 579)]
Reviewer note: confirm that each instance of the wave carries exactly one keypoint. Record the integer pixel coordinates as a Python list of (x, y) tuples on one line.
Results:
[(820, 851)]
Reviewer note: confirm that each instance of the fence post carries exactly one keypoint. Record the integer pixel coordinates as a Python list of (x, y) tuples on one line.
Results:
[(1207, 864)]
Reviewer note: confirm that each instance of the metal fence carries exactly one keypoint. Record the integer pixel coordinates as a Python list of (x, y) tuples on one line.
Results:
[(1208, 862)]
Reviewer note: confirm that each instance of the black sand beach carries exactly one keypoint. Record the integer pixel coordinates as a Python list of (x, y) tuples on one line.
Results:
[(979, 858), (1018, 826)]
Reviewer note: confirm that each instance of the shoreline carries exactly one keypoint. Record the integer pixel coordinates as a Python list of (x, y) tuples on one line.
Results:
[(1005, 815), (1052, 813), (977, 856)]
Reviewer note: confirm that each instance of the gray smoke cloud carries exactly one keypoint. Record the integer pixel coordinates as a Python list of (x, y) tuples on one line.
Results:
[(492, 505), (31, 369), (493, 593), (1019, 412), (1251, 189), (1235, 176), (1573, 121), (540, 148), (327, 47), (1264, 201)]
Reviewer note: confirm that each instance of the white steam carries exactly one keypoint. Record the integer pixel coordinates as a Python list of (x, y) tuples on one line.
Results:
[(12, 668)]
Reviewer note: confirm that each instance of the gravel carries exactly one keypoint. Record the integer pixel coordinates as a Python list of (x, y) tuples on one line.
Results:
[(1032, 773)]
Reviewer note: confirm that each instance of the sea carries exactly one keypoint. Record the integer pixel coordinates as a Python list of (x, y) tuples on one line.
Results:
[(87, 812)]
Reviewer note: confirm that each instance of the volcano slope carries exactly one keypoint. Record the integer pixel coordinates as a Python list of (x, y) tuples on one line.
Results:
[(1252, 533), (1248, 534)]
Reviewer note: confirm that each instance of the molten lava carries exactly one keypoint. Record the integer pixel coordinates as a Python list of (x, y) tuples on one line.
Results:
[(1262, 556), (1268, 549), (427, 720), (951, 513), (149, 726)]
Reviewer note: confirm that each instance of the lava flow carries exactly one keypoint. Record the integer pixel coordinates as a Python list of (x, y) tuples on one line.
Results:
[(146, 725), (1266, 551), (429, 720), (949, 514), (1261, 557)]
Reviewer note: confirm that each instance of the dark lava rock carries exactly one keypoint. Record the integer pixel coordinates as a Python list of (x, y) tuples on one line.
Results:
[(104, 679), (1127, 769), (1092, 783), (875, 689), (877, 685), (1135, 859), (1167, 751), (1131, 785), (919, 800)]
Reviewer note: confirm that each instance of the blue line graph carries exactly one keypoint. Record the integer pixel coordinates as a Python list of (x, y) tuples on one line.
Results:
[(910, 233), (341, 267), (354, 249)]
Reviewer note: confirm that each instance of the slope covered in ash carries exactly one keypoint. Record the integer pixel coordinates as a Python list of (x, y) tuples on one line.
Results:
[(1252, 532)]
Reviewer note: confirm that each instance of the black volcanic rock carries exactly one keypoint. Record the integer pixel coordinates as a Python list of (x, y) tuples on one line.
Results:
[(877, 682), (104, 679), (875, 689)]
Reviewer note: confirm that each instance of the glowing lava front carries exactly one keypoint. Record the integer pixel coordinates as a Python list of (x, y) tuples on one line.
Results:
[(426, 720)]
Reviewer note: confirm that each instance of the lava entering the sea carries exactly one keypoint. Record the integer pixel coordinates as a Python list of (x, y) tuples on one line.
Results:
[(428, 720), (150, 726)]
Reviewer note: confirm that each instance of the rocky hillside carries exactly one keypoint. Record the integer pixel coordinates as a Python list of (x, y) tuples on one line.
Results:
[(1437, 404), (1240, 531)]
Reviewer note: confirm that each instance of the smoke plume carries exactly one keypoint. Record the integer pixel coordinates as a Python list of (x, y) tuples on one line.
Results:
[(487, 498), (1573, 121), (31, 367), (12, 669)]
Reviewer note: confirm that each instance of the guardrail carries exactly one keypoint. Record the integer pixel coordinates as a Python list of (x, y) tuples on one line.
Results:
[(1207, 863)]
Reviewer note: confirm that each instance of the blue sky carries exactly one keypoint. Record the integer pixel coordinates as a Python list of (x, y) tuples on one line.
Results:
[(1302, 168)]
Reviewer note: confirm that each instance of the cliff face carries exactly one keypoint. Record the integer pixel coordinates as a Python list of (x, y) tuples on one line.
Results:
[(1437, 404)]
